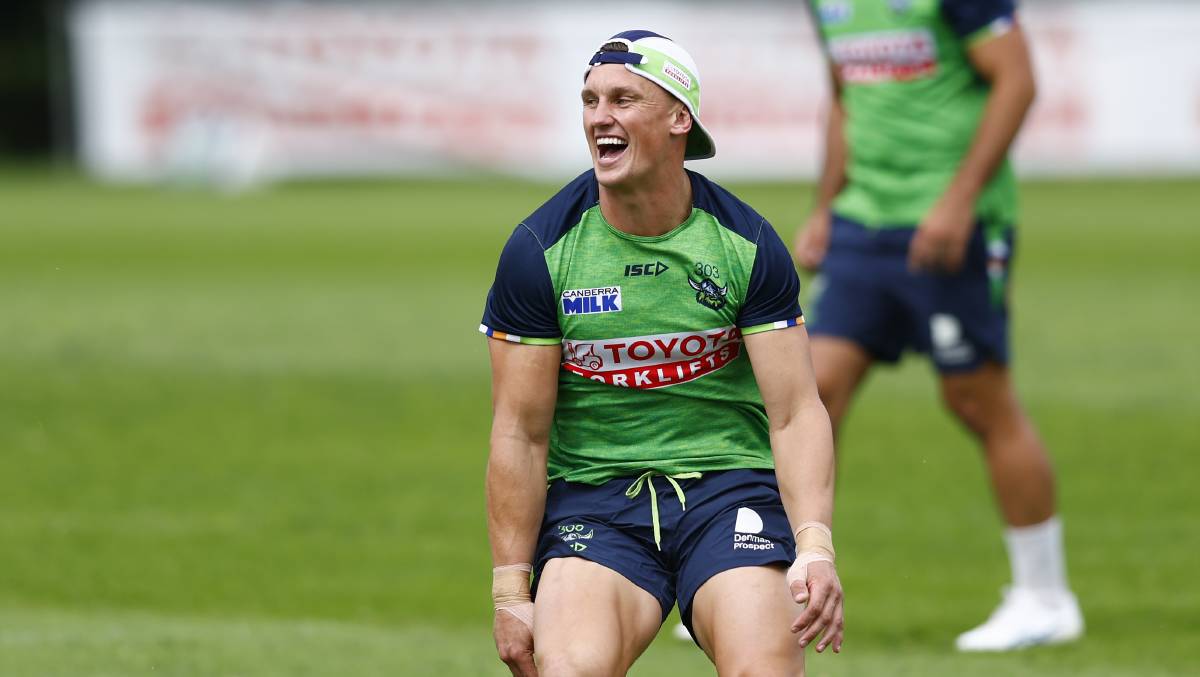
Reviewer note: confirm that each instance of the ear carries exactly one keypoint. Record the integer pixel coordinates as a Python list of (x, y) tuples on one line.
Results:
[(681, 121)]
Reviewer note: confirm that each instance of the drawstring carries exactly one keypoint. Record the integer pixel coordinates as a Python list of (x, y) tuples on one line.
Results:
[(645, 479)]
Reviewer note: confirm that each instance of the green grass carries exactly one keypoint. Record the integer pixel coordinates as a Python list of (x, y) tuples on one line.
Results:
[(245, 435)]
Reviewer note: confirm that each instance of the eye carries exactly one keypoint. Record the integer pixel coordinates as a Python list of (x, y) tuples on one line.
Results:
[(589, 102), (624, 100)]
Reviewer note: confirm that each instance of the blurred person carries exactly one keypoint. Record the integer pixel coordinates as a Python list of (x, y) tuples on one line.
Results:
[(912, 232), (649, 361)]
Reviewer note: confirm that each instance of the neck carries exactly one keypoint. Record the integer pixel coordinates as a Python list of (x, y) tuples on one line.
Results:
[(653, 208)]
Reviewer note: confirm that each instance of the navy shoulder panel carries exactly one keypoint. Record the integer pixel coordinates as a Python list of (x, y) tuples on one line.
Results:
[(968, 16), (774, 288), (521, 301), (562, 212), (729, 210)]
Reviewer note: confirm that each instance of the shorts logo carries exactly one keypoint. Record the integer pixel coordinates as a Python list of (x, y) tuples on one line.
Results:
[(708, 294), (572, 534), (949, 347), (747, 524), (591, 301), (653, 361)]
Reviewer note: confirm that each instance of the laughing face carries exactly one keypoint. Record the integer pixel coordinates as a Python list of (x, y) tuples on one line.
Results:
[(633, 126)]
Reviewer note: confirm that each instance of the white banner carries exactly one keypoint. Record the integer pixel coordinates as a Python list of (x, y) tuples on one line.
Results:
[(244, 92)]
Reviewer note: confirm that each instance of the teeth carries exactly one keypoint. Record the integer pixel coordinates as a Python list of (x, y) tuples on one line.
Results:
[(609, 141)]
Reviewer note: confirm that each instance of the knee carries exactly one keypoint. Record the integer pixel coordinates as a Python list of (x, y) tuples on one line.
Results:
[(572, 662), (789, 666), (969, 406)]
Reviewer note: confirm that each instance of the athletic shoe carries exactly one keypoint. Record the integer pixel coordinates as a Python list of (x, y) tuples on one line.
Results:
[(1026, 618)]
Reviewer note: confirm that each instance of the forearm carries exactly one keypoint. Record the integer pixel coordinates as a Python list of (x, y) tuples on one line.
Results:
[(833, 169), (516, 496), (804, 464), (1011, 96)]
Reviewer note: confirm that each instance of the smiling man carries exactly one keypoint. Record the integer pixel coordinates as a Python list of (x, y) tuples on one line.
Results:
[(657, 435)]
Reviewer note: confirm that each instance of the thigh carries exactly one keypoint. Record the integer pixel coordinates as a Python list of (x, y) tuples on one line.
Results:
[(742, 619), (590, 620)]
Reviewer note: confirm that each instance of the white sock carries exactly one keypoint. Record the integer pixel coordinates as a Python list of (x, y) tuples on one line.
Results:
[(1036, 555)]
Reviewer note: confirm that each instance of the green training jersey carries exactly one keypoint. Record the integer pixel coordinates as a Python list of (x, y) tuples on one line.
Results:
[(913, 103), (654, 376)]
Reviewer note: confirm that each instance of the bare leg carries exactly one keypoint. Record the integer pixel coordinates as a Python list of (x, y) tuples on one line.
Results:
[(590, 621), (743, 618), (1022, 477), (840, 365)]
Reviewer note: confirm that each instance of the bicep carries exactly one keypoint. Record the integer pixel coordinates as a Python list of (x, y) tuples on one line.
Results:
[(783, 369), (524, 388), (1000, 55)]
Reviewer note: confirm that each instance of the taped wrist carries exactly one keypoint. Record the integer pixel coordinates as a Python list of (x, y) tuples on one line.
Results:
[(814, 543), (815, 538), (510, 591)]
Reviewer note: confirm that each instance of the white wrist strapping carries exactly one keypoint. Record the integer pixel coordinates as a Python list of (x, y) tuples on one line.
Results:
[(814, 543), (510, 591)]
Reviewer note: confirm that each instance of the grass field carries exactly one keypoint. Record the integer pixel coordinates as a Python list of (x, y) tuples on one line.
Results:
[(246, 436)]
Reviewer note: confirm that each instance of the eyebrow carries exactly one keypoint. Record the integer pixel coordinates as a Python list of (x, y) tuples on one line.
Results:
[(619, 90)]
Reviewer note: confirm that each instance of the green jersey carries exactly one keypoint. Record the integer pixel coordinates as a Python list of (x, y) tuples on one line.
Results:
[(654, 376), (913, 103)]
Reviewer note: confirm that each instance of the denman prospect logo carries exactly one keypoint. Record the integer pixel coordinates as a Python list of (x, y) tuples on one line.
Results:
[(591, 301)]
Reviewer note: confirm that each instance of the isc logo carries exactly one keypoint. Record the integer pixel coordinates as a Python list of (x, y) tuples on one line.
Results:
[(648, 269), (590, 301)]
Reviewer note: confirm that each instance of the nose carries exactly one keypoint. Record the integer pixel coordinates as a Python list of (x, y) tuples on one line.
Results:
[(601, 114)]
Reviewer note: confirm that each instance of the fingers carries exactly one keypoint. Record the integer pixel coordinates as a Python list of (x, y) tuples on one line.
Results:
[(799, 589), (824, 614), (514, 644), (834, 633), (811, 614)]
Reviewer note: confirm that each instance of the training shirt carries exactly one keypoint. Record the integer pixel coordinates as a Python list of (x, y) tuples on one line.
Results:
[(654, 374), (913, 103)]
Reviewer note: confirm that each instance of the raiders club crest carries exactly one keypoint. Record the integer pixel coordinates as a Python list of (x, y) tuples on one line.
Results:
[(708, 294)]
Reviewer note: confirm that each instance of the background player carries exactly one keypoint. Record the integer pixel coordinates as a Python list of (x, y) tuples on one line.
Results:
[(912, 232), (648, 356)]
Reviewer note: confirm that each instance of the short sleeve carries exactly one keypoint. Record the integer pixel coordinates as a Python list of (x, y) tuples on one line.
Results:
[(520, 305), (972, 19), (772, 296)]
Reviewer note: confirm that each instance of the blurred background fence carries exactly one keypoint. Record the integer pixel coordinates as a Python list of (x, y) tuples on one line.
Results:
[(243, 92)]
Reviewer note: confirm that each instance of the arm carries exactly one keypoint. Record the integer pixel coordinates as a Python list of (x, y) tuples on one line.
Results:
[(813, 239), (802, 444), (524, 392), (941, 240)]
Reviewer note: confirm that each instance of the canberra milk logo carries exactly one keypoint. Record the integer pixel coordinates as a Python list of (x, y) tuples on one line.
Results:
[(591, 301), (747, 524)]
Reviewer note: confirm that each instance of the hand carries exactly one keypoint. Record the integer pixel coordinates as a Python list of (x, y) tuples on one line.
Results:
[(822, 591), (940, 243), (514, 643), (813, 240)]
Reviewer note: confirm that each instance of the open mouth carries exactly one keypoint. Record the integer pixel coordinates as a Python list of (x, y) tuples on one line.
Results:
[(610, 148)]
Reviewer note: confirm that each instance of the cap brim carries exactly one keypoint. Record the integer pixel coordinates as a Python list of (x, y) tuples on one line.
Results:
[(700, 145)]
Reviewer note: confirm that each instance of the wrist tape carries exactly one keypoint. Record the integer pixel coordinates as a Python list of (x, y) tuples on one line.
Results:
[(814, 543), (510, 591)]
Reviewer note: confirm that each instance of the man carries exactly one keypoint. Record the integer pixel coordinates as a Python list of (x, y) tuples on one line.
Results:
[(912, 232), (635, 319)]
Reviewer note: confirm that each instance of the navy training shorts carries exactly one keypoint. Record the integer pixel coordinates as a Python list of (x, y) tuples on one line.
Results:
[(865, 293), (734, 518)]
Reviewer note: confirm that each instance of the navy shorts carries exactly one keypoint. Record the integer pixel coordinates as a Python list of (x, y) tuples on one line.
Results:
[(734, 518), (865, 293)]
